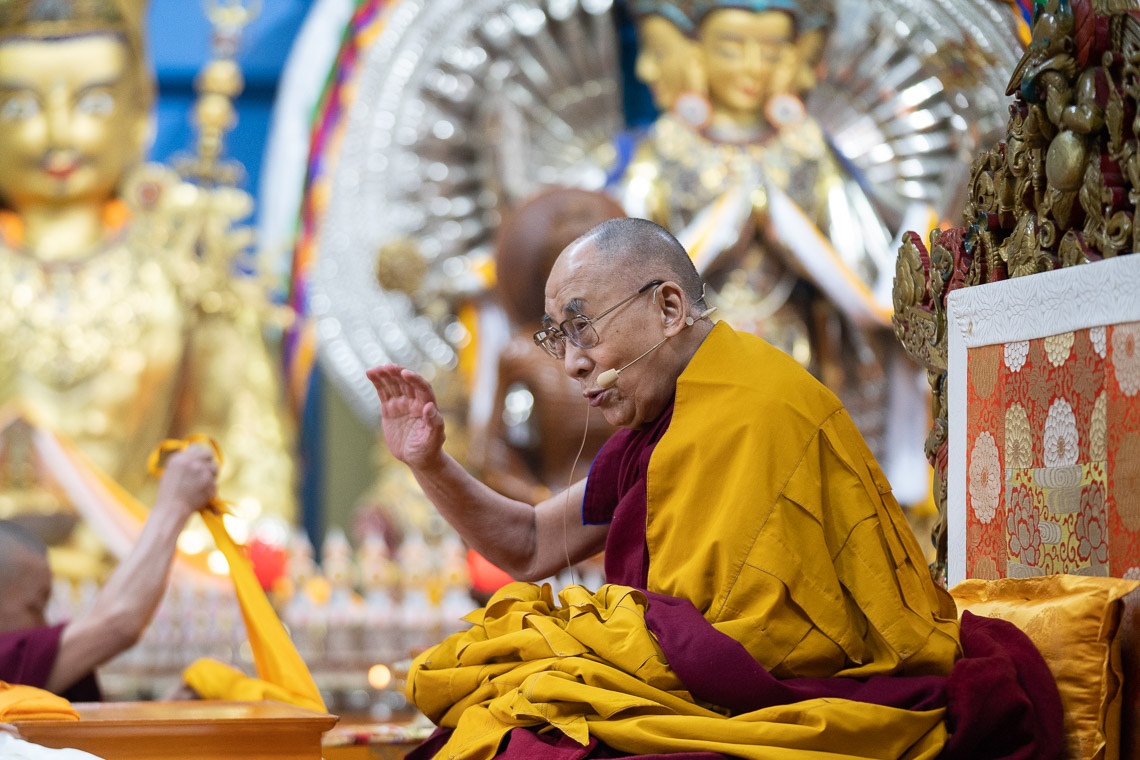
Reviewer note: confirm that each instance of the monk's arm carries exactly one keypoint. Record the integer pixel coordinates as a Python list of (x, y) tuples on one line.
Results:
[(529, 542), (125, 604)]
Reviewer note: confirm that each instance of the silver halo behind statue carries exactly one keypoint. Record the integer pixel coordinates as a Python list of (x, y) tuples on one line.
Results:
[(912, 89), (465, 106)]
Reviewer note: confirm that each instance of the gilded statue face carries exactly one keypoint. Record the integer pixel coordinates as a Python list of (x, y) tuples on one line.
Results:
[(666, 60), (71, 121), (748, 57)]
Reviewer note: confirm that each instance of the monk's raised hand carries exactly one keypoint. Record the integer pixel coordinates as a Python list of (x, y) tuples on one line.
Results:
[(412, 423)]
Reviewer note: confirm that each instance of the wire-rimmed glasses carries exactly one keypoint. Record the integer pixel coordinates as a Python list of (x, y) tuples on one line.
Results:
[(579, 329)]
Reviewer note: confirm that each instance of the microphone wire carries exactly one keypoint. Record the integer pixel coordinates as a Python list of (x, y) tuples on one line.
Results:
[(648, 351), (566, 507)]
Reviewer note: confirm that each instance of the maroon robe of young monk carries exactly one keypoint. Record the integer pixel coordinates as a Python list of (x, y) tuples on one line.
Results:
[(27, 657)]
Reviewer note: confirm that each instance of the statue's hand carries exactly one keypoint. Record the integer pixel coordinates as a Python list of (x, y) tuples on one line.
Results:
[(413, 425)]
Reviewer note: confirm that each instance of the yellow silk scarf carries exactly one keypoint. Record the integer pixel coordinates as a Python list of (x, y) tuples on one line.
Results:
[(806, 595), (282, 674), (18, 702)]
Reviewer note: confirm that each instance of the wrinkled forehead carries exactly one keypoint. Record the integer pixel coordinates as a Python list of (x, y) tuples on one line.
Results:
[(578, 282), (565, 299)]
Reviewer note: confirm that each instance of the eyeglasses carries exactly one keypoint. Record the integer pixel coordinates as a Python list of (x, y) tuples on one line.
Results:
[(579, 329)]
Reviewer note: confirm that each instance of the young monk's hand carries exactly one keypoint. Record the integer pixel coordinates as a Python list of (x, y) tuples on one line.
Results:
[(189, 481), (413, 425)]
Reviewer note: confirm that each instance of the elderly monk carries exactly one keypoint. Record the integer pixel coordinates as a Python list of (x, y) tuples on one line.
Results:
[(765, 597), (62, 658)]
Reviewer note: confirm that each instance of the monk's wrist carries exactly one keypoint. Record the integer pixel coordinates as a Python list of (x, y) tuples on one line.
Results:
[(430, 466)]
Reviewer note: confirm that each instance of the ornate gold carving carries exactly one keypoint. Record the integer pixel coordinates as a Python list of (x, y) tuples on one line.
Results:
[(916, 325), (1061, 190), (1109, 7)]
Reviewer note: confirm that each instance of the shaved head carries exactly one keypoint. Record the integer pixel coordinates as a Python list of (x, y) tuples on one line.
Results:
[(638, 248), (637, 305), (13, 536), (25, 578), (14, 540)]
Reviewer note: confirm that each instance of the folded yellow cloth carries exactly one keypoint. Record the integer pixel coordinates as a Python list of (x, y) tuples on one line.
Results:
[(589, 666), (282, 674), (19, 702), (211, 679)]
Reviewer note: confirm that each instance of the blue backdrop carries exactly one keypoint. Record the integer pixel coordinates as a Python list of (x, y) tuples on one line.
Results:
[(179, 37)]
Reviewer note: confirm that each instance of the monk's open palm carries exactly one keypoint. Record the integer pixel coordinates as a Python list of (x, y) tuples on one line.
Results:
[(413, 426)]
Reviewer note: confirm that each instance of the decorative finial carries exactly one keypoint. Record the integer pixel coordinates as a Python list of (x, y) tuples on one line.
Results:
[(217, 84)]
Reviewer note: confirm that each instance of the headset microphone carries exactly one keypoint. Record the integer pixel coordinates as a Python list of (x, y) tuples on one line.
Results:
[(609, 378)]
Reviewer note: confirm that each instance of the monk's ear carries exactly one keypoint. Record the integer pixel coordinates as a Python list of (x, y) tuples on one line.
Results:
[(671, 301)]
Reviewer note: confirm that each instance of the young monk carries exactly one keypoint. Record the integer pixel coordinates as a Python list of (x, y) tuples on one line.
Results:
[(62, 658)]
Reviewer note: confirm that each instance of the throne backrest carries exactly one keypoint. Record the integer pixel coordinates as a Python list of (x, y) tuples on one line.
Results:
[(1043, 387), (1043, 470)]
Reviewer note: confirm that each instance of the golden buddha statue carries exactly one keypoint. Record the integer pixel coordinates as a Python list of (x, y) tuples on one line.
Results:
[(665, 53), (787, 242), (122, 322)]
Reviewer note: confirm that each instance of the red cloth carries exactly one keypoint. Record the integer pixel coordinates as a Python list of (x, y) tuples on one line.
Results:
[(1020, 717), (27, 657)]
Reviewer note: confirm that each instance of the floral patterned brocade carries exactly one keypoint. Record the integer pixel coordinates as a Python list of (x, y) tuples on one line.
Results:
[(1051, 423)]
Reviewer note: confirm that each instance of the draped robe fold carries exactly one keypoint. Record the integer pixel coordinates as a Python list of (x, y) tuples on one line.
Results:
[(766, 599)]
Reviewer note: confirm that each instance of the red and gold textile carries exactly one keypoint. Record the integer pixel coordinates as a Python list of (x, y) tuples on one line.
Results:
[(1051, 485)]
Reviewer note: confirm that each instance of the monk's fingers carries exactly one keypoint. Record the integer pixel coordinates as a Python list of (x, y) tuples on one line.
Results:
[(431, 413), (393, 380), (383, 379), (194, 457), (202, 452), (420, 389), (387, 388)]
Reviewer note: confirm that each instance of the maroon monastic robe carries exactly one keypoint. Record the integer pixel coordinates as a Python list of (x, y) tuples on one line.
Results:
[(27, 657)]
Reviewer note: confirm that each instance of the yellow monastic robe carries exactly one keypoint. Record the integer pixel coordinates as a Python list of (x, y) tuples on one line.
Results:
[(767, 511)]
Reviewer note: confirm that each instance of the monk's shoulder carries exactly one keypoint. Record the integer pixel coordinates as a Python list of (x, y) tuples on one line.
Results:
[(758, 377)]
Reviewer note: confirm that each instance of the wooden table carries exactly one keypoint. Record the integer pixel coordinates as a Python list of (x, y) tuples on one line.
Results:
[(199, 730)]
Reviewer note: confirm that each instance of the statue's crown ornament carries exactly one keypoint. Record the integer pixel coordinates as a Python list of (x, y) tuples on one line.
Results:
[(65, 18)]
